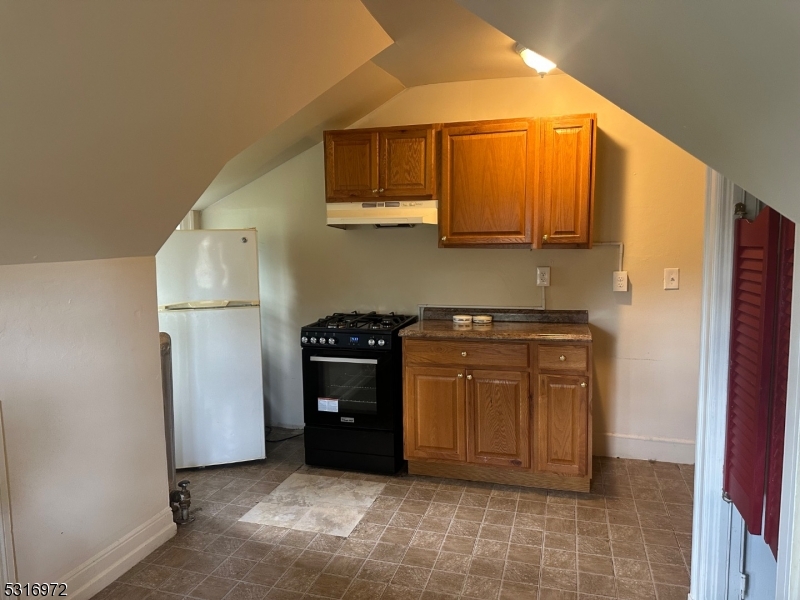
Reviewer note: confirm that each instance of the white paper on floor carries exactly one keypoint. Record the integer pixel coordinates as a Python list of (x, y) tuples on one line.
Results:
[(316, 503)]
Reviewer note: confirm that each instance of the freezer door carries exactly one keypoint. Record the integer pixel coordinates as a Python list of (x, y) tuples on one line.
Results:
[(208, 265), (217, 385)]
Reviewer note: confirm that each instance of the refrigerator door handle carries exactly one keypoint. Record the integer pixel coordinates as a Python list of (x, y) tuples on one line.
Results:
[(210, 304), (336, 359)]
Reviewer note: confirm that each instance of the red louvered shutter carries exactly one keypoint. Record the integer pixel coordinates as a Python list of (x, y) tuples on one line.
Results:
[(780, 375), (750, 373)]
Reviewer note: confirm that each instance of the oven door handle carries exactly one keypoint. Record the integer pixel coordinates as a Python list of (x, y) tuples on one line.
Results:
[(336, 359)]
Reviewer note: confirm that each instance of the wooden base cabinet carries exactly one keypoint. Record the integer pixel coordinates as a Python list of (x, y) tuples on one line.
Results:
[(434, 413), (497, 418), (470, 411), (561, 415)]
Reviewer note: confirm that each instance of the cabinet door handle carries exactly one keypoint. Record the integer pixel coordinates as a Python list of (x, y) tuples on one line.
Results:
[(381, 190), (463, 354), (375, 191), (583, 384), (469, 376), (444, 237), (562, 358), (544, 238), (460, 375)]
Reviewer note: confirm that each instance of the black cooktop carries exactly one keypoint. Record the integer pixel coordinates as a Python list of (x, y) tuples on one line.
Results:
[(356, 321)]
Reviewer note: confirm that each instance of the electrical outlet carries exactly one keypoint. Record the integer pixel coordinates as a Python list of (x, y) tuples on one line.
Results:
[(672, 279), (620, 283), (543, 276)]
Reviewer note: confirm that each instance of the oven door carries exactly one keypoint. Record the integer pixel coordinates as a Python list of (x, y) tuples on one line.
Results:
[(347, 388)]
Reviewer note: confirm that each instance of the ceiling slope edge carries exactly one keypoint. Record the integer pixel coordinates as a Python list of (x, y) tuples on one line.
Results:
[(355, 96)]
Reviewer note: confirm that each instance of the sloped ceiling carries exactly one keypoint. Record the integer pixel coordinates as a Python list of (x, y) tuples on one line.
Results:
[(720, 78), (117, 114), (434, 41), (438, 41), (358, 94)]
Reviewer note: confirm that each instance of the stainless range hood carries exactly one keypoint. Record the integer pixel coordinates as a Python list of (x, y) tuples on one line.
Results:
[(389, 212)]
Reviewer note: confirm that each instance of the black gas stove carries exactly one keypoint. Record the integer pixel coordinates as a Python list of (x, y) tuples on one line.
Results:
[(353, 391), (355, 330)]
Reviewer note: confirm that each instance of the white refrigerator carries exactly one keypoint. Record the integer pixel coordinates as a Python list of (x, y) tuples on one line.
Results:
[(209, 305)]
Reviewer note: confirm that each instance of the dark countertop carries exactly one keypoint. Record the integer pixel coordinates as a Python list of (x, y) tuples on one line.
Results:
[(504, 330)]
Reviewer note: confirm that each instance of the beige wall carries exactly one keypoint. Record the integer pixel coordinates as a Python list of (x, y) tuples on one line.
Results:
[(81, 397), (650, 195)]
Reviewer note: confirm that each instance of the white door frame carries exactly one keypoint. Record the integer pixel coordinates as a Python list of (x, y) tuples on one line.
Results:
[(8, 564), (788, 577), (711, 526), (711, 514)]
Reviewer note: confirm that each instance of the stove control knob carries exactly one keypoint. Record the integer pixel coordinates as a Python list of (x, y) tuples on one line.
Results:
[(381, 342), (322, 340), (371, 341), (313, 340), (331, 341), (304, 339)]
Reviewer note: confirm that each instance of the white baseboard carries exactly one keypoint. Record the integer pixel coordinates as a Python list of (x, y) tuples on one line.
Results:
[(111, 562), (644, 447)]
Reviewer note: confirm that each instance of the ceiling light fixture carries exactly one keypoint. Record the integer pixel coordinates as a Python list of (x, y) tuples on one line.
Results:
[(535, 61)]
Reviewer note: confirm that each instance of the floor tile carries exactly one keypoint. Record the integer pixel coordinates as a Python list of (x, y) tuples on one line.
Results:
[(422, 538)]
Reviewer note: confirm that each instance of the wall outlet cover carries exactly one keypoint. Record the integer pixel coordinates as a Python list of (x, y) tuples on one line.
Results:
[(620, 283), (543, 276), (672, 279)]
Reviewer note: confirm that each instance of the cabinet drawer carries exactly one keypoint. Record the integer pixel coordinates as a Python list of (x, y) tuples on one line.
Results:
[(563, 358), (484, 354)]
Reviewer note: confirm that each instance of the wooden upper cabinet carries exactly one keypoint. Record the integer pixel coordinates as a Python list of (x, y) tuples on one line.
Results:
[(498, 424), (372, 163), (408, 162), (566, 195), (561, 416), (435, 413), (351, 165), (488, 183)]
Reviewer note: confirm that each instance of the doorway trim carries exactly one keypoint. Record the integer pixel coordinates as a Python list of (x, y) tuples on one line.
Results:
[(788, 576), (711, 518), (8, 564)]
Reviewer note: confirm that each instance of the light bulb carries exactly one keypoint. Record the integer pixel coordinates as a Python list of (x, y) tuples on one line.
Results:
[(535, 61)]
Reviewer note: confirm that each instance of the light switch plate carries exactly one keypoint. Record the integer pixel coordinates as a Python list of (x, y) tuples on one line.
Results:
[(543, 276), (620, 283), (672, 279)]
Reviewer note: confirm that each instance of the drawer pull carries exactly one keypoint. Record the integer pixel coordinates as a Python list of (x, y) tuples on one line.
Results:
[(583, 384), (562, 358), (463, 354), (469, 376), (460, 375)]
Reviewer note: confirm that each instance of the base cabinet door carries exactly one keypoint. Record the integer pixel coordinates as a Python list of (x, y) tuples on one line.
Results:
[(561, 421), (434, 410), (498, 423)]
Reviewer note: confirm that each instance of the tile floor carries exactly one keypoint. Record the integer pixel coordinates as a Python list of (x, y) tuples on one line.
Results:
[(427, 538)]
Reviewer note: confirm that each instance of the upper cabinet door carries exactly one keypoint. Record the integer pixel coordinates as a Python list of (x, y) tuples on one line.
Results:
[(408, 163), (351, 165), (567, 181), (488, 183)]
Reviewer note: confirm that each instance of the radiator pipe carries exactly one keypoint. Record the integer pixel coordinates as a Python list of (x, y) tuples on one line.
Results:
[(179, 495)]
